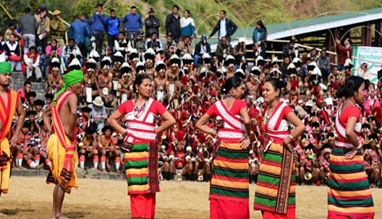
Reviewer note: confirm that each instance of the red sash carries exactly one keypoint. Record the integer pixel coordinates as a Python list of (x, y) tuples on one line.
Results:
[(7, 111), (58, 129)]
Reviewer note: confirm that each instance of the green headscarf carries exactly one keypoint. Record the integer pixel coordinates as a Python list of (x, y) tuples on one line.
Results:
[(5, 68), (70, 78)]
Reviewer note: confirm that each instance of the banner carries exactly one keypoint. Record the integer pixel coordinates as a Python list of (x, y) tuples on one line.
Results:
[(372, 56)]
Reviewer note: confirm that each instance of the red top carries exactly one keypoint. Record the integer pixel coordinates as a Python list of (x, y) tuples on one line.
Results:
[(235, 109)]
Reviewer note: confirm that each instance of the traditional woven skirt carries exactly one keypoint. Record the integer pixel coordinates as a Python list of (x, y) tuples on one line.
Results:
[(276, 184), (141, 168), (349, 191), (229, 193), (56, 154), (5, 171)]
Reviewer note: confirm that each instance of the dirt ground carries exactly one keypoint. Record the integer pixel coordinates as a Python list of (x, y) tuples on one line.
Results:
[(30, 197)]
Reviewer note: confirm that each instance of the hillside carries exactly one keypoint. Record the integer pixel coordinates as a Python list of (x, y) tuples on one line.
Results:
[(245, 13)]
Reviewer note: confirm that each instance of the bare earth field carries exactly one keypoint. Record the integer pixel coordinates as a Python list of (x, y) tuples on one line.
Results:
[(30, 197)]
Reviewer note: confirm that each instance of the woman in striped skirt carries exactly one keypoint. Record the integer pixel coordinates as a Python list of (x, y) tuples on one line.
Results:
[(275, 189), (349, 194), (140, 148), (229, 193)]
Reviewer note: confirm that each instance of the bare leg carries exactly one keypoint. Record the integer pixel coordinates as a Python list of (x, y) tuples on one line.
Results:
[(58, 199)]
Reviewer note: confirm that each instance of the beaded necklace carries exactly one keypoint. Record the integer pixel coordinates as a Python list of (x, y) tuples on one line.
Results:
[(139, 110)]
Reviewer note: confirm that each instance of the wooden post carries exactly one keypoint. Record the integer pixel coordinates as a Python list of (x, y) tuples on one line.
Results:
[(377, 33), (366, 34)]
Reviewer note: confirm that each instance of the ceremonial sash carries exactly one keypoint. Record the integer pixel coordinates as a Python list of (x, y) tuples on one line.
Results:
[(58, 129), (233, 126), (7, 111)]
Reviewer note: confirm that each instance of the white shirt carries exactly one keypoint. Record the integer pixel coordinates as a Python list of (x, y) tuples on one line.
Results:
[(223, 30)]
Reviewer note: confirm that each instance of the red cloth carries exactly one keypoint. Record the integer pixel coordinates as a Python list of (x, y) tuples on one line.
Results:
[(156, 107), (235, 108), (336, 216), (227, 209), (143, 206), (291, 214)]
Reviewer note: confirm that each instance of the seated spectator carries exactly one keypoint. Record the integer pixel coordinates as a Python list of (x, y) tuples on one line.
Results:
[(153, 43), (201, 47), (121, 44), (54, 78), (98, 113), (52, 51), (31, 64), (12, 49), (68, 50), (24, 90), (139, 43), (185, 46), (239, 51), (108, 150), (224, 49)]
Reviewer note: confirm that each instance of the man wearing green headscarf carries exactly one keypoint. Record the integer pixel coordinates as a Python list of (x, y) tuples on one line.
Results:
[(61, 147), (9, 106)]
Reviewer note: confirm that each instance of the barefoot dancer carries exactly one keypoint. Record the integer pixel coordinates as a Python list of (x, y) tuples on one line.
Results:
[(62, 143)]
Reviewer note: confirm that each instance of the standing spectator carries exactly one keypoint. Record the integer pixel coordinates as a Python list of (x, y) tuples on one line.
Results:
[(152, 24), (173, 24), (32, 64), (88, 44), (57, 28), (132, 23), (259, 38), (349, 194), (78, 32), (187, 25), (344, 52), (43, 27), (201, 47), (275, 191), (28, 27), (224, 49), (12, 29), (225, 27), (323, 63), (140, 151), (98, 27), (233, 136), (12, 49), (113, 24)]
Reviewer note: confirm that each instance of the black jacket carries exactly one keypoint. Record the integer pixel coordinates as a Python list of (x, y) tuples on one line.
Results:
[(152, 26), (230, 27), (173, 26), (198, 48)]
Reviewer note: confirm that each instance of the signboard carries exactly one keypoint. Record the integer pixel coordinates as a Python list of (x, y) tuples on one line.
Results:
[(372, 56)]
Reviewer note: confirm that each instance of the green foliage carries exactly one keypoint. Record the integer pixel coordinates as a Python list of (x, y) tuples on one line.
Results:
[(245, 13)]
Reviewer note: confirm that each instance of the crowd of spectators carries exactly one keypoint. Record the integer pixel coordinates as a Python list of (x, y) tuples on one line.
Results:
[(187, 81)]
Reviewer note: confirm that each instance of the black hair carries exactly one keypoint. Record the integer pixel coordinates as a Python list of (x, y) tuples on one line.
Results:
[(27, 82), (261, 24), (32, 48), (132, 7), (27, 10), (139, 79), (99, 5), (112, 10), (188, 11), (71, 39), (277, 84), (223, 11), (54, 40), (175, 6), (352, 84), (232, 82)]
